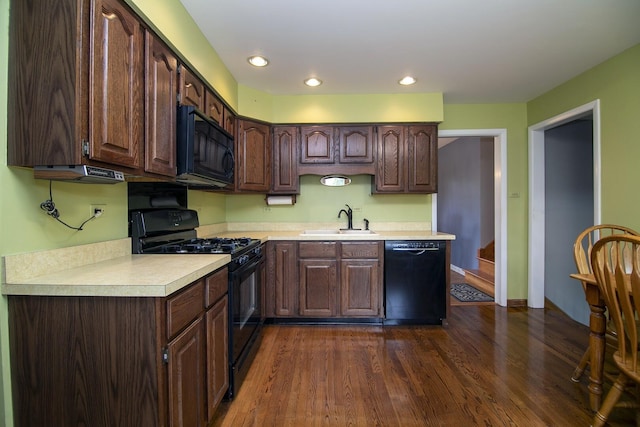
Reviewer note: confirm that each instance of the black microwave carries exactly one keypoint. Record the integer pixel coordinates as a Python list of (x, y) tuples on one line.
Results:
[(205, 150)]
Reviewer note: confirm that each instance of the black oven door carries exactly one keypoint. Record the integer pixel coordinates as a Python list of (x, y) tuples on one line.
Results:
[(246, 305)]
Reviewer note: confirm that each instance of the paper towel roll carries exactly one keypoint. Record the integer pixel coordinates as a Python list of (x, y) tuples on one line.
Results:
[(280, 200)]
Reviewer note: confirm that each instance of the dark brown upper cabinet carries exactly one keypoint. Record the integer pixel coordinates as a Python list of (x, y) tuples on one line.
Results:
[(214, 108), (343, 149), (422, 159), (285, 163), (356, 145), (76, 87), (317, 145), (407, 159), (191, 89), (161, 77), (253, 156), (229, 121)]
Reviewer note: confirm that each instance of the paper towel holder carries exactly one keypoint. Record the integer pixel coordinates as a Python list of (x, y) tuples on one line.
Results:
[(273, 199)]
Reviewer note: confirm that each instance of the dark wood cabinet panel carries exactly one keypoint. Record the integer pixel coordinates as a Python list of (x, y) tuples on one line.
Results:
[(361, 279), (356, 145), (361, 249), (229, 121), (216, 285), (422, 159), (285, 163), (116, 84), (407, 159), (253, 156), (318, 249), (187, 377), (108, 361), (85, 361), (217, 354), (318, 279), (325, 279), (191, 89), (390, 176), (317, 145), (161, 79), (184, 307), (282, 284), (214, 108), (359, 288)]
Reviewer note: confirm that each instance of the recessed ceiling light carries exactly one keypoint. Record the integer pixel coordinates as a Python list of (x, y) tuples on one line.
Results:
[(313, 82), (406, 81), (258, 61)]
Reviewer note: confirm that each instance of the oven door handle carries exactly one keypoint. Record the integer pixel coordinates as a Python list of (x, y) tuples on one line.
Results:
[(253, 265)]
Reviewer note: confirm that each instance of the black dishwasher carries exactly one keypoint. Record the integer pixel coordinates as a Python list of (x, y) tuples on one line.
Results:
[(415, 282)]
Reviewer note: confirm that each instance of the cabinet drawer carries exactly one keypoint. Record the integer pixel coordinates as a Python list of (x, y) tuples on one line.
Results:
[(217, 285), (318, 250), (360, 249), (184, 307)]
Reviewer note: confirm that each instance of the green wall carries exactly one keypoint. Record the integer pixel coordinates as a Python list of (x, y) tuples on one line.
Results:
[(25, 228), (616, 83), (170, 19), (317, 203), (513, 118)]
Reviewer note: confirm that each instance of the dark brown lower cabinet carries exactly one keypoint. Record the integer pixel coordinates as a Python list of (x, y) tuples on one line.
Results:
[(359, 288), (186, 377), (217, 354), (281, 297), (318, 284), (125, 361), (325, 279)]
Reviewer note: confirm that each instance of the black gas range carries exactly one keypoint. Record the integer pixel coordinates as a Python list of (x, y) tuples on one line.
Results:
[(172, 231), (160, 223)]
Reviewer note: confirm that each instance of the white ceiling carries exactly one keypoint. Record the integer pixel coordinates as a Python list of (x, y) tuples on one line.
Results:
[(472, 51)]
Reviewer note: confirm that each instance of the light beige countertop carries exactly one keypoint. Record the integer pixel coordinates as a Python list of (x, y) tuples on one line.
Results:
[(299, 235), (90, 270), (295, 231), (109, 268)]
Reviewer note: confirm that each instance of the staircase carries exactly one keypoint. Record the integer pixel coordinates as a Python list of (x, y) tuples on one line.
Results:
[(484, 277)]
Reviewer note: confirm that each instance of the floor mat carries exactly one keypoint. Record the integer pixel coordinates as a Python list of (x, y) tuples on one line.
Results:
[(466, 293)]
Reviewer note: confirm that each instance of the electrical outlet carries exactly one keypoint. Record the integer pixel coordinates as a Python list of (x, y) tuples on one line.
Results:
[(97, 210)]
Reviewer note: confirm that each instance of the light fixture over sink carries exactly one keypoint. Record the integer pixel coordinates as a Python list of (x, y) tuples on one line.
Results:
[(335, 180)]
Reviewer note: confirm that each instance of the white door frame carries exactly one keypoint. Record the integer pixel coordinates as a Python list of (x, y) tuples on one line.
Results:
[(500, 202), (537, 192)]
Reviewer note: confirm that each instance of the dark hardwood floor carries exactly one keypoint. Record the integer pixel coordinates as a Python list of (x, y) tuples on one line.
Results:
[(490, 366)]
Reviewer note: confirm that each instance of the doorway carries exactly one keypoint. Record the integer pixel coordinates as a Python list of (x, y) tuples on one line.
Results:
[(538, 194), (500, 202)]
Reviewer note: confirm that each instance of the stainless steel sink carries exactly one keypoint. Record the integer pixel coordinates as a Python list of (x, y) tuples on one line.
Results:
[(336, 232)]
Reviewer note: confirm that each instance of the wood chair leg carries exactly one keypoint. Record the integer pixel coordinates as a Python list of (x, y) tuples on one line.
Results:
[(581, 366), (600, 419)]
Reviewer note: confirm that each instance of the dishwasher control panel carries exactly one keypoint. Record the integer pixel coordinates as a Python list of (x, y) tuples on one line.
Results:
[(415, 245)]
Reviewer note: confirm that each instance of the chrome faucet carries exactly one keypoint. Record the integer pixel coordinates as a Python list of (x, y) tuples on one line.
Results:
[(349, 214)]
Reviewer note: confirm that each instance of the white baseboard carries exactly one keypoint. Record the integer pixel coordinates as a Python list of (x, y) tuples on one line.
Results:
[(457, 269)]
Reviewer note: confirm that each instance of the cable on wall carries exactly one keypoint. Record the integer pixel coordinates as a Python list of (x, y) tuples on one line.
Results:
[(50, 208)]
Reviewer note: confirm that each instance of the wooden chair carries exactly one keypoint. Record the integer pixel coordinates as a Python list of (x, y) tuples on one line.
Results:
[(615, 262), (581, 254)]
